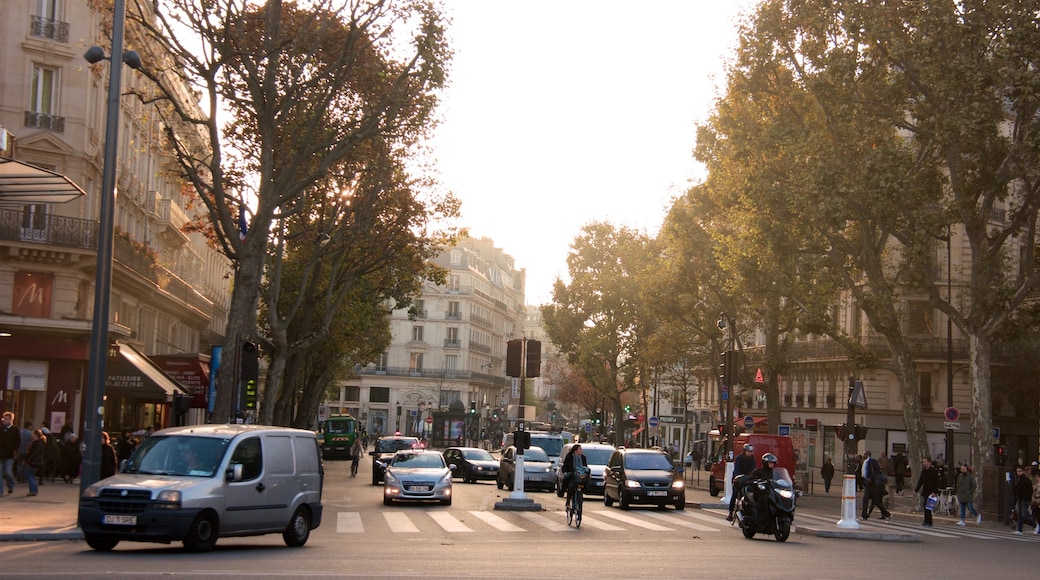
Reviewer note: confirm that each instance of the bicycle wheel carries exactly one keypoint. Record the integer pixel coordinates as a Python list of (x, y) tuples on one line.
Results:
[(579, 500), (570, 512)]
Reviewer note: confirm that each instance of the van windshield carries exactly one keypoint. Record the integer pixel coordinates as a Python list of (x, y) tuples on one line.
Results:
[(178, 455), (551, 445)]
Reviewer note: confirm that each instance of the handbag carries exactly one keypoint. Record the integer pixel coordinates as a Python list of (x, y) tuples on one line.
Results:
[(932, 501)]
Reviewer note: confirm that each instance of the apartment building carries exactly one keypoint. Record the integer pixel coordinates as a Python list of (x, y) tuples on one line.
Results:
[(443, 376), (170, 289)]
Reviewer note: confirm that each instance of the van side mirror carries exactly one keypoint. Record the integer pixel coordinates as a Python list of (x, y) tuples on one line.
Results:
[(234, 472)]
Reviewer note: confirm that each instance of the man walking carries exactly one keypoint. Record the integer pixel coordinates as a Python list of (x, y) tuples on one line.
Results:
[(927, 484), (10, 439), (1023, 497), (875, 487)]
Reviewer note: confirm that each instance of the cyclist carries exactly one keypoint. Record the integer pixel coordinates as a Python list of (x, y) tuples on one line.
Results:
[(574, 459), (356, 450)]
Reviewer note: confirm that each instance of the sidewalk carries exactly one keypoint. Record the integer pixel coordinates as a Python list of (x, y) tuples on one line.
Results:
[(50, 515)]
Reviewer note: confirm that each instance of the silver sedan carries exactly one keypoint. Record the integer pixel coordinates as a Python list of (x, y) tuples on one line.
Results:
[(417, 475)]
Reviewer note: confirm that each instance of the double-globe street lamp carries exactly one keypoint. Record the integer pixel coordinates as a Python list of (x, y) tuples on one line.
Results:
[(95, 395)]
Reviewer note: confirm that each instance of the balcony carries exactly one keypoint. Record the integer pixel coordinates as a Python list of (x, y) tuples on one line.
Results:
[(41, 27), (44, 121), (48, 229), (453, 315), (170, 216), (448, 343)]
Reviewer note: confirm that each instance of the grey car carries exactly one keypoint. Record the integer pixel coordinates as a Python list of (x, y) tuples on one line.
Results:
[(538, 470), (417, 475)]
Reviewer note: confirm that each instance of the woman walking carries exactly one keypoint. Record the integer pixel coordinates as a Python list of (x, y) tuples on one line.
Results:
[(966, 494)]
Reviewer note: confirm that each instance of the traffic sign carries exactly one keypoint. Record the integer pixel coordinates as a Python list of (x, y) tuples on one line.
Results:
[(429, 420), (749, 422), (759, 378), (654, 421), (952, 414), (784, 430), (996, 432), (952, 425), (588, 427)]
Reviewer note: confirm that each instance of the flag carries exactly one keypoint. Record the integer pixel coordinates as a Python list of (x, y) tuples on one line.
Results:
[(242, 228)]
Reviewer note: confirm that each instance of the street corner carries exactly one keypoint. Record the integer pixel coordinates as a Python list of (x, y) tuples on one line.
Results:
[(872, 536)]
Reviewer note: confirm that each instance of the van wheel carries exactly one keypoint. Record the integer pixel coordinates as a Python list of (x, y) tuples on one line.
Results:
[(298, 530), (680, 505), (714, 491), (622, 501), (203, 533), (101, 544), (606, 499)]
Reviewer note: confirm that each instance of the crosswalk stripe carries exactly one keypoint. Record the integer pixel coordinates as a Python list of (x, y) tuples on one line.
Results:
[(631, 520), (703, 516), (349, 523), (449, 522), (679, 521), (879, 527), (399, 522), (497, 522), (587, 522), (545, 522)]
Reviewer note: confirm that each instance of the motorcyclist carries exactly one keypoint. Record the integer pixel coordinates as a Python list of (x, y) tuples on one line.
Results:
[(766, 473), (743, 465)]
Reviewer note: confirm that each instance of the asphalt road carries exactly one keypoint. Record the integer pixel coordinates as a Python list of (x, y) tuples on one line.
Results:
[(470, 539)]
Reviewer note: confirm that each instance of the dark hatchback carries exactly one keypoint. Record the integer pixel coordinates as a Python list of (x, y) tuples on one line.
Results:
[(643, 476), (383, 453), (471, 463)]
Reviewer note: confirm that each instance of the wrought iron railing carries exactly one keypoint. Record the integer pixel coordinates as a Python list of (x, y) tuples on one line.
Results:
[(49, 28)]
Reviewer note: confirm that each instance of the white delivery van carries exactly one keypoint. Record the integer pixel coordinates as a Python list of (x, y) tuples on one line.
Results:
[(198, 483), (551, 443)]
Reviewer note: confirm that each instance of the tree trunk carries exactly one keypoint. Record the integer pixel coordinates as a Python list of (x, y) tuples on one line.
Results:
[(979, 353), (241, 325)]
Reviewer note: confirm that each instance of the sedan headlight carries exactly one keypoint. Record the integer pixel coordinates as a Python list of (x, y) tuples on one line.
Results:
[(389, 479), (446, 480)]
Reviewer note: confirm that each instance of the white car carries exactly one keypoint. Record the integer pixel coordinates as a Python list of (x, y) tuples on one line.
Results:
[(417, 475)]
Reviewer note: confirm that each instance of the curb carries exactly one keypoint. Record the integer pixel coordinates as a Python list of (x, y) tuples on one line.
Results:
[(860, 535), (72, 533)]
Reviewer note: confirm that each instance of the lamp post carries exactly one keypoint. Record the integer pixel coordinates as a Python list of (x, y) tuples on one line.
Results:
[(949, 354), (848, 487), (93, 420)]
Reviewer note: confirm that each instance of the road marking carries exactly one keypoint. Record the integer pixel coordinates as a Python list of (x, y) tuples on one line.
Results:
[(704, 517), (679, 521), (588, 522), (631, 520), (449, 522), (497, 522), (545, 522), (349, 523), (399, 522)]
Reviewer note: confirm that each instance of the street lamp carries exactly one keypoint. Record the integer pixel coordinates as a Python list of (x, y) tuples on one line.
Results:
[(95, 393)]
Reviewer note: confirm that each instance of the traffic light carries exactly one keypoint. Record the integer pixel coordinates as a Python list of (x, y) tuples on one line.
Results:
[(514, 354), (473, 407), (250, 392), (522, 439), (534, 358), (628, 408), (249, 367)]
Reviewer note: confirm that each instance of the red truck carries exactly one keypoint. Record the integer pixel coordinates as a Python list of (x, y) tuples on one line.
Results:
[(779, 445)]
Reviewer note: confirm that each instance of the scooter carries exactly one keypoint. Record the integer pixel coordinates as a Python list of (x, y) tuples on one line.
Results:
[(775, 513)]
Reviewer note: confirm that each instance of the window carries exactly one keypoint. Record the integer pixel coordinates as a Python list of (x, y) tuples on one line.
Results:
[(919, 316), (456, 257), (415, 362), (451, 363), (353, 394), (417, 334), (45, 21), (379, 394), (453, 335), (44, 80), (454, 312), (384, 362), (454, 283), (249, 454), (34, 222)]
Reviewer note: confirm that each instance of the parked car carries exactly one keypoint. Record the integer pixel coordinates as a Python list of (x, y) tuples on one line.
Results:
[(383, 452), (471, 463), (417, 475), (643, 476), (538, 472), (597, 455), (199, 483)]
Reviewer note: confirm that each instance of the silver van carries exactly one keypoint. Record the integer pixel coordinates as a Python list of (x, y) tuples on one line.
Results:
[(551, 443), (195, 484)]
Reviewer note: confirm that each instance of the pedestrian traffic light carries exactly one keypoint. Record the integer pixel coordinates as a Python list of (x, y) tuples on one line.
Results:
[(249, 365)]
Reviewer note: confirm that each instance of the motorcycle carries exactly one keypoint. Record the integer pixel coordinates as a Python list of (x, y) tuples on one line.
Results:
[(767, 507)]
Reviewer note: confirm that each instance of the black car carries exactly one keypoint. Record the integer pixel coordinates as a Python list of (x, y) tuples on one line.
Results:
[(383, 453), (472, 463), (643, 476)]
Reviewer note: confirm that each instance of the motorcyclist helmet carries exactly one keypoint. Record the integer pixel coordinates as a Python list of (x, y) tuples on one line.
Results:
[(749, 447), (768, 458)]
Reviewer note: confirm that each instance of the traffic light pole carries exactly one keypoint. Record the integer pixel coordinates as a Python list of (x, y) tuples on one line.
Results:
[(516, 362), (848, 488)]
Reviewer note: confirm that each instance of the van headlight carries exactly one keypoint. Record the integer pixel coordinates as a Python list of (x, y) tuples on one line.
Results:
[(92, 491), (678, 484), (169, 499)]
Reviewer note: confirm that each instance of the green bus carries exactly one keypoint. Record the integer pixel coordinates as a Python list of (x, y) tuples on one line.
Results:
[(338, 434)]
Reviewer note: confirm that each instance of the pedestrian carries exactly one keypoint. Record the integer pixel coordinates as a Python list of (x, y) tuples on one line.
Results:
[(1023, 499), (125, 447), (827, 473), (35, 460), (966, 494), (860, 484), (10, 441), (1035, 504), (23, 448), (71, 458), (927, 485), (51, 456), (108, 456), (885, 463), (356, 450), (875, 480), (899, 469)]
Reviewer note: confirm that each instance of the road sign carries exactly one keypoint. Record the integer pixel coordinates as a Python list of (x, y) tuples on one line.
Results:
[(758, 377), (784, 430), (588, 427), (996, 432), (952, 414), (654, 421), (859, 396), (952, 425), (749, 422), (429, 420)]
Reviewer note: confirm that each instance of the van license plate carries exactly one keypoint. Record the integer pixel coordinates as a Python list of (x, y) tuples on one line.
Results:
[(656, 493), (120, 520)]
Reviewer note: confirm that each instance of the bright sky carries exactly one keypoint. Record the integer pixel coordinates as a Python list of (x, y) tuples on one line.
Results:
[(565, 112)]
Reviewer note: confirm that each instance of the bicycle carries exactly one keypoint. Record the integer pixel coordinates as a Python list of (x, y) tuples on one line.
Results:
[(948, 502), (577, 500)]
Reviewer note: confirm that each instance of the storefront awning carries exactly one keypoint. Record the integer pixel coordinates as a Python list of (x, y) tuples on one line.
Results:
[(132, 374), (23, 184)]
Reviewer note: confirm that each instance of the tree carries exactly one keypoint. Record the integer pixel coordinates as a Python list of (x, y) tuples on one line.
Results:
[(597, 319), (303, 87)]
